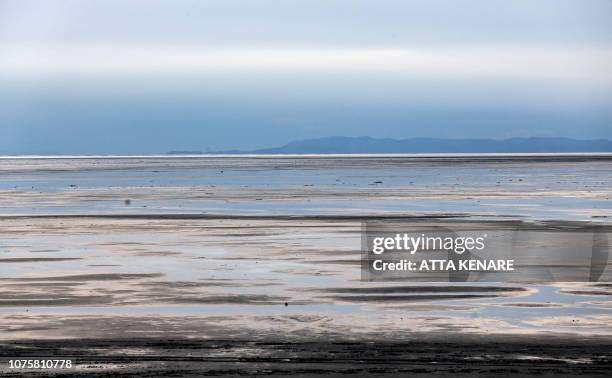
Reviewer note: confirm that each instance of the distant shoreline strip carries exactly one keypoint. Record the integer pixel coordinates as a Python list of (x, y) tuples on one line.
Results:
[(441, 156), (235, 216)]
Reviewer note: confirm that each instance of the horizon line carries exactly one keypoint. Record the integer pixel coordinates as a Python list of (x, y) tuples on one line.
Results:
[(348, 155)]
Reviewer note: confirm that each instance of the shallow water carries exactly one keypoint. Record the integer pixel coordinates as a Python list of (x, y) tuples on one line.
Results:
[(543, 188), (258, 247)]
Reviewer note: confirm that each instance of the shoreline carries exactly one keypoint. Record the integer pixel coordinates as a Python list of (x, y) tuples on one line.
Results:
[(604, 155)]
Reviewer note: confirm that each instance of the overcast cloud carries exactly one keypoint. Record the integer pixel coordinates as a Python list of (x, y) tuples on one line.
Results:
[(151, 76)]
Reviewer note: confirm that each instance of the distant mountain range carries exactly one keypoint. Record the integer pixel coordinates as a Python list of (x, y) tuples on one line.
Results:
[(368, 145)]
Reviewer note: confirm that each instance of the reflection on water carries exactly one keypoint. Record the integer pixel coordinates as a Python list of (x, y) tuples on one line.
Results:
[(544, 188), (256, 274), (197, 274)]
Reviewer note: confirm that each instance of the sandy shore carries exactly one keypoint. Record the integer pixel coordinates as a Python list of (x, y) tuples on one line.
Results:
[(128, 295), (442, 356), (227, 269)]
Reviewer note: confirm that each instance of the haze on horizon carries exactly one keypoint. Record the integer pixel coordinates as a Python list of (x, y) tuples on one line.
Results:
[(150, 76)]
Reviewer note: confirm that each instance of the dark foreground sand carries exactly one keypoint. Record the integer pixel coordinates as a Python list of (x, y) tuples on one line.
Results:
[(443, 356)]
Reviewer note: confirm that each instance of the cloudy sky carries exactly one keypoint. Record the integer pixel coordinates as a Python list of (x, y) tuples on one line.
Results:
[(150, 76)]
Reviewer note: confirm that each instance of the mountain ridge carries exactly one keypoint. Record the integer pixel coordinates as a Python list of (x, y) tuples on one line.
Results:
[(366, 144)]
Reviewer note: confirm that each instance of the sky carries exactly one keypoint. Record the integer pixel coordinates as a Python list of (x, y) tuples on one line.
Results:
[(152, 76)]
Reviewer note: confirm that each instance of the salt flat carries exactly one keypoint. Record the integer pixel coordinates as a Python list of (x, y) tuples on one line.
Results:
[(254, 250)]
